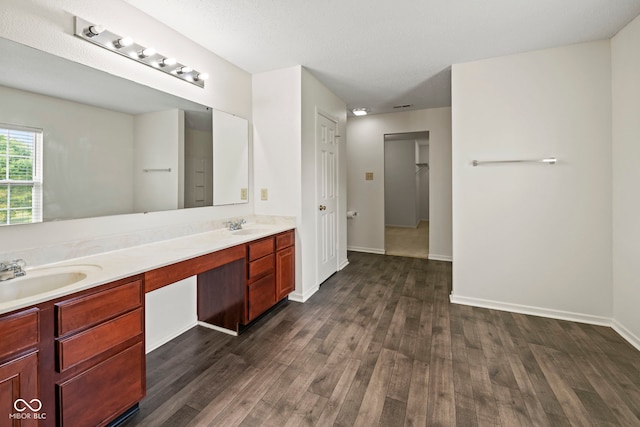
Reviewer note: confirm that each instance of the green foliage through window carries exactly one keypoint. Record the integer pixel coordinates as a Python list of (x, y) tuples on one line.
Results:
[(20, 195)]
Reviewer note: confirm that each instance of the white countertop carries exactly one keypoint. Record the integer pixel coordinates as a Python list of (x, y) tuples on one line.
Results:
[(110, 266)]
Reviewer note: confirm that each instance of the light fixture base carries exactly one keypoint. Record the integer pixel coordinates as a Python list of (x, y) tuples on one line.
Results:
[(109, 40)]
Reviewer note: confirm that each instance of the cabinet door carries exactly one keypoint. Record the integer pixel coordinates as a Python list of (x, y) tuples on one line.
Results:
[(285, 272), (97, 396), (19, 380)]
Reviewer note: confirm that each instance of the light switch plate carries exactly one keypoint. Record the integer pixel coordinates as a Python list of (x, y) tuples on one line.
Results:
[(368, 176), (244, 194), (264, 194)]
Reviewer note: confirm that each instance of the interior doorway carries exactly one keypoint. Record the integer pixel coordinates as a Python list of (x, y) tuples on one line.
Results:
[(406, 194), (326, 196)]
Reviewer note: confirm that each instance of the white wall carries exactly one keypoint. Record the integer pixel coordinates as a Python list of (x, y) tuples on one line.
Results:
[(170, 311), (276, 141), (400, 184), (87, 162), (158, 144), (365, 153), (625, 64), (534, 237)]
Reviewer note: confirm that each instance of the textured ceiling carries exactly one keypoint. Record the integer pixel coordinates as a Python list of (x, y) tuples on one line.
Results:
[(382, 53)]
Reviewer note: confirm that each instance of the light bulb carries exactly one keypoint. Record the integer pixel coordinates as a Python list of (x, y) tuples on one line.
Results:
[(202, 76), (93, 30), (168, 61), (123, 42), (185, 69), (145, 53)]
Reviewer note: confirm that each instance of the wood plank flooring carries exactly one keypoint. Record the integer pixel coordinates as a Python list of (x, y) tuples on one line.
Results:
[(380, 345)]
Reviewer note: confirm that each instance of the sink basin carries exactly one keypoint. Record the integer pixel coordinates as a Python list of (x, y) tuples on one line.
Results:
[(247, 231), (39, 281)]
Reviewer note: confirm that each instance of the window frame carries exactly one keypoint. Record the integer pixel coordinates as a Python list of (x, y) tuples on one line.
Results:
[(35, 183)]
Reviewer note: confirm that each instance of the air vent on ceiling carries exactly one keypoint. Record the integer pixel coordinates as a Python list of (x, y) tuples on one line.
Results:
[(403, 106)]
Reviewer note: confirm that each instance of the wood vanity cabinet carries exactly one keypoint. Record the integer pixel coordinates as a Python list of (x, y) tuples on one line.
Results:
[(99, 354), (20, 333), (271, 273), (260, 293)]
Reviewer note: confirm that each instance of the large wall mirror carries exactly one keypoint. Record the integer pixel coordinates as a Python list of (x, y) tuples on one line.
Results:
[(109, 146)]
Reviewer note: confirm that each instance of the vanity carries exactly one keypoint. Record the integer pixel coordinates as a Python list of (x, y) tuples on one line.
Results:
[(79, 350), (74, 334)]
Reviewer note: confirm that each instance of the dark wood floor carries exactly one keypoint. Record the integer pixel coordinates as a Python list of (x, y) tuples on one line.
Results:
[(380, 344)]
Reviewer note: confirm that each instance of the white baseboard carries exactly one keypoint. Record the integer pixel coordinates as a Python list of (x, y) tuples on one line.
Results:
[(302, 297), (436, 257), (343, 264), (218, 328), (626, 334), (534, 311), (366, 250), (149, 347)]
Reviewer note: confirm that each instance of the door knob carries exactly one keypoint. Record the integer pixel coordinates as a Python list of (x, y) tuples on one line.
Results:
[(322, 207)]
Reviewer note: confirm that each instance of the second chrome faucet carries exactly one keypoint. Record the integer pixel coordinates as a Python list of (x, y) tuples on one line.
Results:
[(235, 224)]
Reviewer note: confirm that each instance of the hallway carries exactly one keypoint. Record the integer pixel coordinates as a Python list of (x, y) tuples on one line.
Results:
[(409, 242)]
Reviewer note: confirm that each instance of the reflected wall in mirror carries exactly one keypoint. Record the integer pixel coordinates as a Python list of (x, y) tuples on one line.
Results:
[(230, 159), (110, 146)]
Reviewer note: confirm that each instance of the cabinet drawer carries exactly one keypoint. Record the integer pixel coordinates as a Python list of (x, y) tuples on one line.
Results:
[(260, 248), (261, 266), (85, 345), (284, 240), (86, 311), (19, 331), (97, 396), (261, 296)]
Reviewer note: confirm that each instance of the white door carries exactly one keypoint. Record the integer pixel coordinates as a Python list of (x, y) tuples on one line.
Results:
[(326, 189)]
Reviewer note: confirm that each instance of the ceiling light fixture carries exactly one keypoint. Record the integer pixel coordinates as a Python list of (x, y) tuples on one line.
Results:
[(125, 46), (360, 111)]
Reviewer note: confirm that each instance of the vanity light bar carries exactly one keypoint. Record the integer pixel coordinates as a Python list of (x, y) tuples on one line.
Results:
[(125, 46)]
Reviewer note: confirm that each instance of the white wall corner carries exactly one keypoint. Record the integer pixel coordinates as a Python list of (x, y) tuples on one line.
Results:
[(436, 257), (625, 333), (366, 250), (303, 296)]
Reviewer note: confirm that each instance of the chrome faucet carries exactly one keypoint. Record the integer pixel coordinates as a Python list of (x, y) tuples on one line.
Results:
[(12, 269), (235, 224)]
